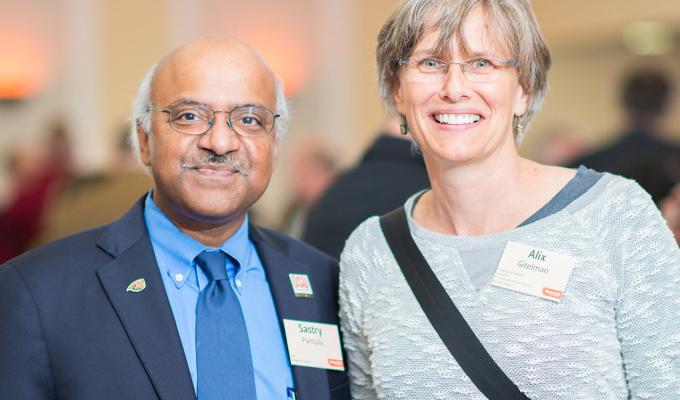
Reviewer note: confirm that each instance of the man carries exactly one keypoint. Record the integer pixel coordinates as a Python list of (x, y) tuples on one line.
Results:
[(642, 153), (387, 175), (181, 297), (312, 168)]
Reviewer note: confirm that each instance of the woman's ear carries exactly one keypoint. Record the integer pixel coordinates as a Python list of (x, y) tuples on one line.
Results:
[(521, 102), (398, 97)]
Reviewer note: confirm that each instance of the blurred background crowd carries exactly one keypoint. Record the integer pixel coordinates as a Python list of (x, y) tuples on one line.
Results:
[(69, 70)]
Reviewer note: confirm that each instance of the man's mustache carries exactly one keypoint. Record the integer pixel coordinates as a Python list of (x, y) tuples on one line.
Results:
[(214, 160)]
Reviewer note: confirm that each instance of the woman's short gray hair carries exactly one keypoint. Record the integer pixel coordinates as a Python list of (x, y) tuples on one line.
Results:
[(141, 108), (512, 24)]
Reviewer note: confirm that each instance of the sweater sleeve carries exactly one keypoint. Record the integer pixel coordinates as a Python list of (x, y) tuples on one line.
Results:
[(353, 268), (646, 259)]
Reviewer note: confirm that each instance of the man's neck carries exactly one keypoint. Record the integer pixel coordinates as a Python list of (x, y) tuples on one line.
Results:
[(212, 232)]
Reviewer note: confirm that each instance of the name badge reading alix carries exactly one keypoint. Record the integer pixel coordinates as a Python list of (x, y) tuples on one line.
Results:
[(533, 271)]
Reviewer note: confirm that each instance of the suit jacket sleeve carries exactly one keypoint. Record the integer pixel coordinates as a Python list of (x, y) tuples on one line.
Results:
[(24, 363)]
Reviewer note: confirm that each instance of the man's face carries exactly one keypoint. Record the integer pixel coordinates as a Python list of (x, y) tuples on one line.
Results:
[(189, 188)]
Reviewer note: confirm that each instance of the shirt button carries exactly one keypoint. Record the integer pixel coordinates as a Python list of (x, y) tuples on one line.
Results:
[(179, 277), (238, 283)]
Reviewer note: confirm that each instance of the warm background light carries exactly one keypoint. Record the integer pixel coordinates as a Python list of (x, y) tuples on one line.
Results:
[(24, 64), (648, 38), (286, 54)]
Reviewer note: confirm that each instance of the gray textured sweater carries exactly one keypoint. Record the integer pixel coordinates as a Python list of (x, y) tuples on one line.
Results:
[(614, 334)]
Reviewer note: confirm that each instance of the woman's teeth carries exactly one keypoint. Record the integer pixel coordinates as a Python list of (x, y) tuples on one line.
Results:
[(456, 119)]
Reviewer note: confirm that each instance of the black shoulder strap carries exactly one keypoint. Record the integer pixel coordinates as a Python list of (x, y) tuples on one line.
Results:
[(443, 314)]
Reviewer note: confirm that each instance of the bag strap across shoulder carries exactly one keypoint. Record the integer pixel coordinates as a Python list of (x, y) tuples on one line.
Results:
[(443, 314)]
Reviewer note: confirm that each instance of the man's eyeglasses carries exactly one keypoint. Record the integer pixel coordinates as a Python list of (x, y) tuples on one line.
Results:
[(430, 69), (197, 119)]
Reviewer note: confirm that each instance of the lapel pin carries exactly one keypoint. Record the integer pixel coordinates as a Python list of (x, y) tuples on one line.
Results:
[(301, 285), (137, 285)]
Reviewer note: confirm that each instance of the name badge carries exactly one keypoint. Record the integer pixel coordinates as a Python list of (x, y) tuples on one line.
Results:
[(313, 344), (533, 271)]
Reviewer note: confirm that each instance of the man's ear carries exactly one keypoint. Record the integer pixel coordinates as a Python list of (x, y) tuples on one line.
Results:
[(275, 150), (144, 150)]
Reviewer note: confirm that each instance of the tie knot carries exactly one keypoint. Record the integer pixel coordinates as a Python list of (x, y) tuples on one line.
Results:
[(213, 264)]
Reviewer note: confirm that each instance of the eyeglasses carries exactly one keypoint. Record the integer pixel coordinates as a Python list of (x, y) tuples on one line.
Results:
[(430, 69), (197, 119)]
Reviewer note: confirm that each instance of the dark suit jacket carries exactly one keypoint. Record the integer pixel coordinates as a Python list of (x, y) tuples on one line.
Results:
[(653, 163), (387, 175), (70, 330)]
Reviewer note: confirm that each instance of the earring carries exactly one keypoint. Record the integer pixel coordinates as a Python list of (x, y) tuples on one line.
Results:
[(403, 128), (519, 132)]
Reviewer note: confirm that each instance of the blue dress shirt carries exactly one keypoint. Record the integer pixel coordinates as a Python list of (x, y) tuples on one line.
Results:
[(175, 253)]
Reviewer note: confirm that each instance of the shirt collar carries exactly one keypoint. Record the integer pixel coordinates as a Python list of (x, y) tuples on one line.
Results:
[(183, 249)]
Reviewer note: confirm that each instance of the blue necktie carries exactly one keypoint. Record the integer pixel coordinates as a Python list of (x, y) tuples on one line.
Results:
[(223, 360)]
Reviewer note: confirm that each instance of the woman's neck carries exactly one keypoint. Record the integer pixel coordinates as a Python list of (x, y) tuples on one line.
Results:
[(488, 197)]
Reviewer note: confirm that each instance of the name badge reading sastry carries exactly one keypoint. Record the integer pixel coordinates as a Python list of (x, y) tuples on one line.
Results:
[(314, 344), (533, 271)]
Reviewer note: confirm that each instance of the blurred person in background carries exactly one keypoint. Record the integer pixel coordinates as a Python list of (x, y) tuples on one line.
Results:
[(539, 282), (387, 174), (94, 200), (181, 298), (312, 169), (37, 174), (641, 152), (670, 208), (560, 146)]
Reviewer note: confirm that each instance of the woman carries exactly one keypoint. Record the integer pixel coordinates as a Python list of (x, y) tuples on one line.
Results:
[(467, 76)]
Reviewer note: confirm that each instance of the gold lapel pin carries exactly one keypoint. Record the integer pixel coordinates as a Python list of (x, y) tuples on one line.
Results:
[(137, 285)]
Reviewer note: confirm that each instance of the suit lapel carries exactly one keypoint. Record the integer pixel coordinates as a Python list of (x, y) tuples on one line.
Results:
[(311, 383), (145, 315)]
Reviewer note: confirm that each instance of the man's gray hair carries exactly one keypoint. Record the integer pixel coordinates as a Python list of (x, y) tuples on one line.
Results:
[(513, 27), (141, 108)]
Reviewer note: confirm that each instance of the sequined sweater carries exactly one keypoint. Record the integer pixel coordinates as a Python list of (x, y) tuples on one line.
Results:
[(615, 334)]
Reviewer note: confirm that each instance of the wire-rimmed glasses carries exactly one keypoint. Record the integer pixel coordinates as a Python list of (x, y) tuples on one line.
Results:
[(429, 69), (196, 119)]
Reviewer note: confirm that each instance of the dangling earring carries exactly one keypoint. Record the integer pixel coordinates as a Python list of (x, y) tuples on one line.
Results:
[(519, 131), (403, 127)]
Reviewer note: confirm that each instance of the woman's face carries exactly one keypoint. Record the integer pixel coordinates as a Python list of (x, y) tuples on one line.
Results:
[(453, 119)]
